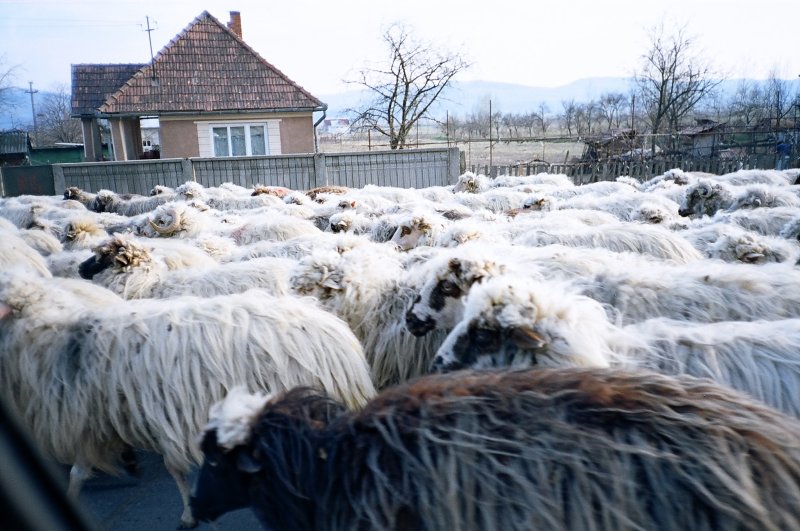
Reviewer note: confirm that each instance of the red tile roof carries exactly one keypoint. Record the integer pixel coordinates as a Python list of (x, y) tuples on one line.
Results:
[(92, 84), (207, 68)]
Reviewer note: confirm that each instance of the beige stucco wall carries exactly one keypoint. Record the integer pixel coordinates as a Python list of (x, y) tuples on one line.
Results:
[(179, 134), (178, 138), (297, 135)]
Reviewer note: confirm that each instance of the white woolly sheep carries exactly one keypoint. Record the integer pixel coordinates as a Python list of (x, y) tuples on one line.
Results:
[(471, 183), (133, 267), (652, 240), (492, 451), (89, 381), (15, 251), (370, 289), (518, 322), (732, 243), (130, 269), (631, 288), (706, 197), (418, 228)]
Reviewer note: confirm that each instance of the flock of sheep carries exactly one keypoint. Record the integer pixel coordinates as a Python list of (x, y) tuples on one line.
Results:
[(508, 353)]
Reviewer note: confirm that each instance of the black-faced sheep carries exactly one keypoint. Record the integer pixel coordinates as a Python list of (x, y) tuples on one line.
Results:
[(90, 380), (502, 450), (130, 268)]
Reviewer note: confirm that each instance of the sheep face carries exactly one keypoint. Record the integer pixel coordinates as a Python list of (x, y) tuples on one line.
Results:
[(116, 253), (411, 233), (440, 303), (703, 198), (510, 322), (222, 482)]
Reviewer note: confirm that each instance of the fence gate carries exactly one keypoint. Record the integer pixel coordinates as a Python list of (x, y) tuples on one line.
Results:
[(27, 180)]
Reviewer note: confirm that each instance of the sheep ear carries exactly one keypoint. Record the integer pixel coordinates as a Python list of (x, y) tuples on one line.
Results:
[(5, 309), (454, 265), (330, 283), (526, 338), (247, 464)]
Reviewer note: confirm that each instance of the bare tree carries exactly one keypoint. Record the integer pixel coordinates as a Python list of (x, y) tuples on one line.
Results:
[(585, 116), (544, 118), (567, 116), (404, 90), (7, 79), (778, 98), (54, 123), (746, 104), (610, 107), (671, 80)]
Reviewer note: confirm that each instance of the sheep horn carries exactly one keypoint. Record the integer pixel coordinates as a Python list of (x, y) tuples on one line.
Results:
[(170, 229)]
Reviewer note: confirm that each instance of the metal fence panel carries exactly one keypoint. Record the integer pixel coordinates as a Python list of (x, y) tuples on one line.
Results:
[(27, 180), (132, 177), (405, 168)]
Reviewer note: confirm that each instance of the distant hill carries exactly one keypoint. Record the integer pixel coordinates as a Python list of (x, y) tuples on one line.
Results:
[(466, 96)]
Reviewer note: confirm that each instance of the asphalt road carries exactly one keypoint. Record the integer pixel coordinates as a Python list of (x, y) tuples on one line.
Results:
[(150, 502)]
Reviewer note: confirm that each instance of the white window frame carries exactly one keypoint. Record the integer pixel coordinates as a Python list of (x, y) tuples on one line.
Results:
[(247, 139)]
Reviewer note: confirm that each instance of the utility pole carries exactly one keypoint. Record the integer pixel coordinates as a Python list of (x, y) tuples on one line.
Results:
[(31, 91)]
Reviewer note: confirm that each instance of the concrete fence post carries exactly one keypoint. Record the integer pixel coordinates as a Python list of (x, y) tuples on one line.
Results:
[(187, 169), (320, 170), (453, 164), (59, 183)]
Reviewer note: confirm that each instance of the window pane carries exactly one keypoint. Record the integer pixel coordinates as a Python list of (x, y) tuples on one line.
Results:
[(238, 147), (257, 140), (220, 141)]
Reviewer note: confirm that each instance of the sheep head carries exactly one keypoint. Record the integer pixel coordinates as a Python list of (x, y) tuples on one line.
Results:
[(440, 303), (319, 275), (699, 199), (74, 193), (514, 322), (167, 221), (103, 200), (277, 191), (412, 232), (119, 253)]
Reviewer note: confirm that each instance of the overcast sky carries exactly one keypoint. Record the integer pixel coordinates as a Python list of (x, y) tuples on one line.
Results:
[(318, 44)]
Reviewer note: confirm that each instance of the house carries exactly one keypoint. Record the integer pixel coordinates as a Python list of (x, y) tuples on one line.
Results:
[(702, 139), (615, 143), (15, 147), (335, 126), (212, 94)]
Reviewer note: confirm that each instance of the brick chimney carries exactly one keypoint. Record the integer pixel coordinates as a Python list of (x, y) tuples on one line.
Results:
[(235, 24)]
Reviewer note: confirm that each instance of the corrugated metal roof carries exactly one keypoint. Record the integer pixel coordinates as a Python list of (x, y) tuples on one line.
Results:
[(13, 142), (208, 68), (92, 84)]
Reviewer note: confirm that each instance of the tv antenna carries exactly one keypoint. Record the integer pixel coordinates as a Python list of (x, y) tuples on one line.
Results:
[(150, 41)]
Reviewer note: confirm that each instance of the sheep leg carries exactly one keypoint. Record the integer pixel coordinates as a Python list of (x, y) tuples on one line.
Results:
[(187, 520), (78, 475)]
